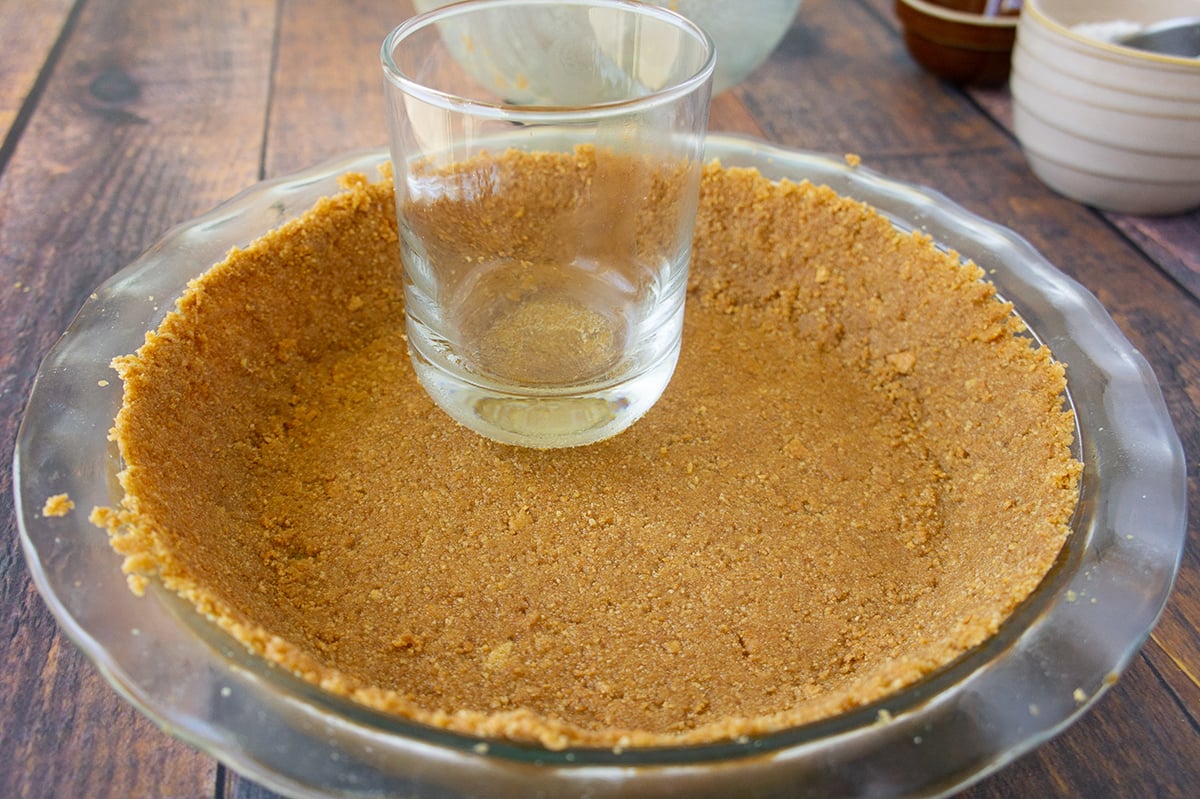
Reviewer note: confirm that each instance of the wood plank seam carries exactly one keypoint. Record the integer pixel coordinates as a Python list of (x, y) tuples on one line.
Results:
[(1166, 686), (271, 82), (9, 145)]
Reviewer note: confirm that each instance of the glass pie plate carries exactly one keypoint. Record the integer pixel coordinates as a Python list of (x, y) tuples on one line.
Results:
[(1054, 657)]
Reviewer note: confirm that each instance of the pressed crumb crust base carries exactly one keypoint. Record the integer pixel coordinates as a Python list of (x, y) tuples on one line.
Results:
[(858, 471)]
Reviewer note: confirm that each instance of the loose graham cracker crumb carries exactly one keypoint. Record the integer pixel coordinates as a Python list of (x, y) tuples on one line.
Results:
[(859, 469), (58, 505)]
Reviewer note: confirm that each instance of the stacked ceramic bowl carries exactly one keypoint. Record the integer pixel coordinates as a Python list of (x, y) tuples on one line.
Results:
[(1106, 124)]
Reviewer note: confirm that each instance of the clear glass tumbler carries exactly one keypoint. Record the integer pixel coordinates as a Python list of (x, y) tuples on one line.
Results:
[(547, 158)]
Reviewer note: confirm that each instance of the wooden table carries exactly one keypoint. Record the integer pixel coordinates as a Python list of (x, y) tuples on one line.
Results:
[(121, 118)]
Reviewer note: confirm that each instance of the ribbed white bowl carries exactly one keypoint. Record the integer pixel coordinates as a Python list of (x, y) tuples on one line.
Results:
[(1110, 126)]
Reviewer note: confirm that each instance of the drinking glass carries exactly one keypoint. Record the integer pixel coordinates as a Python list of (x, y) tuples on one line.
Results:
[(547, 158)]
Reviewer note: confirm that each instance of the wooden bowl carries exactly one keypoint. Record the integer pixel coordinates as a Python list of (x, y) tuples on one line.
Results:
[(956, 41)]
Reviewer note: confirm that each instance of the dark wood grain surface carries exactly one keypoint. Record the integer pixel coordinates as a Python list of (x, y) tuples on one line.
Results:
[(122, 118)]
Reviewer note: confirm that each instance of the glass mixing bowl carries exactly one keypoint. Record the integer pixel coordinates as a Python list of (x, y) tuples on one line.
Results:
[(1053, 658), (745, 35)]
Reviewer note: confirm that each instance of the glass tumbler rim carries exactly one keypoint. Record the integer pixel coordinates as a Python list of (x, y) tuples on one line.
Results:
[(544, 113)]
